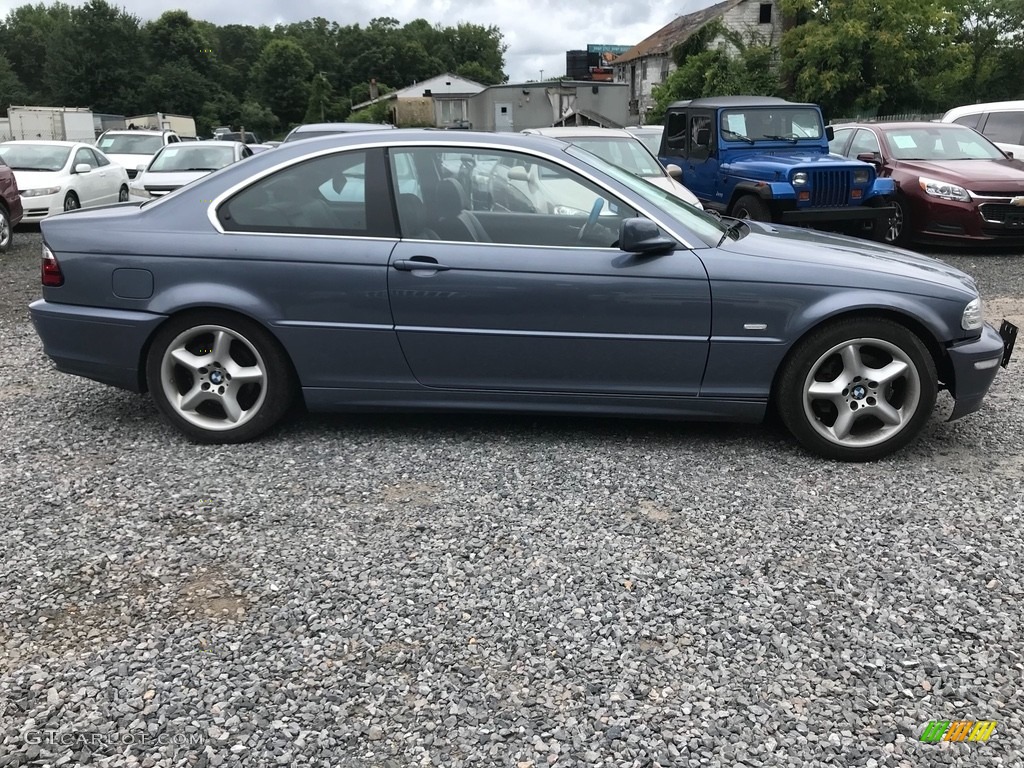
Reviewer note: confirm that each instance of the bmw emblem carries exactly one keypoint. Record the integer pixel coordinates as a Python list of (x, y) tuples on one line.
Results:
[(216, 378), (859, 393)]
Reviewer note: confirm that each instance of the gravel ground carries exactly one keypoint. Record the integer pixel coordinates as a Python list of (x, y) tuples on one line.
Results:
[(486, 591)]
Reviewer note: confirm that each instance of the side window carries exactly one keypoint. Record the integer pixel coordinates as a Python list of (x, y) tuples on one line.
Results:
[(1005, 127), (700, 137), (100, 159), (511, 199), (172, 139), (676, 134), (971, 121), (838, 144), (86, 156), (328, 195), (864, 141)]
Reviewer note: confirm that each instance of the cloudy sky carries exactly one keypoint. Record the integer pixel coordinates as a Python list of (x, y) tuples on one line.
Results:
[(538, 33)]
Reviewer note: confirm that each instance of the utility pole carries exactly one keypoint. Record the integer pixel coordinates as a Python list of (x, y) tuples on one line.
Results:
[(542, 75)]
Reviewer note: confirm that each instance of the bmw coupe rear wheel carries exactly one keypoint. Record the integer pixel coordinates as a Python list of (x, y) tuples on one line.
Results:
[(218, 377), (858, 390)]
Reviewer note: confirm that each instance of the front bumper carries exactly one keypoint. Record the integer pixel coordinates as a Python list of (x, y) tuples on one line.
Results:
[(39, 207), (975, 364), (858, 213), (104, 345)]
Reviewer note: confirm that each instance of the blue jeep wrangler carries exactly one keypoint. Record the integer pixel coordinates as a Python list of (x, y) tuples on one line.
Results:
[(767, 159)]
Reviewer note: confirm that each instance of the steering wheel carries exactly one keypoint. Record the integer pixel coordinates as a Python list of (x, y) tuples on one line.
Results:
[(595, 211)]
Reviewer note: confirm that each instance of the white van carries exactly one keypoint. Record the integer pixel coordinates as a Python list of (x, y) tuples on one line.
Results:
[(1001, 121)]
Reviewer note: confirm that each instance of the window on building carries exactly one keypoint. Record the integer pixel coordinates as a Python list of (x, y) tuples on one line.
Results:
[(766, 13), (643, 70)]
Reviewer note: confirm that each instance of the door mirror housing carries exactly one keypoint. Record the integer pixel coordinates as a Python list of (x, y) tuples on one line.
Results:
[(830, 133), (703, 137), (640, 235), (674, 171), (83, 168), (873, 158), (141, 168)]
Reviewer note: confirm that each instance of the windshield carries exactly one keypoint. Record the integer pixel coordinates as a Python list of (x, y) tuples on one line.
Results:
[(935, 143), (628, 153), (706, 226), (774, 123), (34, 157), (130, 144), (191, 158)]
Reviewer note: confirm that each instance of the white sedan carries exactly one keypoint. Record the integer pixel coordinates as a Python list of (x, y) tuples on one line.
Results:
[(56, 176), (176, 165), (622, 148)]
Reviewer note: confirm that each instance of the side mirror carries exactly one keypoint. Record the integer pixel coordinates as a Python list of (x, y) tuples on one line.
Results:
[(639, 235), (873, 158), (830, 133), (83, 168), (141, 168), (1008, 153), (674, 171), (703, 137)]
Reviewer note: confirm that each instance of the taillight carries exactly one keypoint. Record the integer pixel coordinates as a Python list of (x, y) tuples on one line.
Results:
[(52, 276)]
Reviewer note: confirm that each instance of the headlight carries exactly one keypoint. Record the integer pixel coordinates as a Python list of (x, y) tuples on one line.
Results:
[(799, 179), (861, 176), (972, 318), (944, 190), (40, 192)]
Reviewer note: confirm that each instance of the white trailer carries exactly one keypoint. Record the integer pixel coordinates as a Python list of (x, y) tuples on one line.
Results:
[(162, 121), (59, 123)]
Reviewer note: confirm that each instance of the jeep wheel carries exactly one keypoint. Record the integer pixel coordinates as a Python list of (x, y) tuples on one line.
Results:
[(751, 207)]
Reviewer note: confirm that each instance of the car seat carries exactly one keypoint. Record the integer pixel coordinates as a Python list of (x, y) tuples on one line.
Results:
[(450, 218), (412, 218)]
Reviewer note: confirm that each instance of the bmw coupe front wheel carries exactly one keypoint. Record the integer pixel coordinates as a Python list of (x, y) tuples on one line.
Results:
[(857, 390), (218, 377)]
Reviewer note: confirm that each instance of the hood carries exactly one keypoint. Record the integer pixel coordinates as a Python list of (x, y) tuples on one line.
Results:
[(809, 250), (671, 185), (170, 180), (758, 163), (39, 179), (971, 174)]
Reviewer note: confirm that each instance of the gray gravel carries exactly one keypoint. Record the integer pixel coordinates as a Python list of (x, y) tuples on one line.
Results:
[(483, 591)]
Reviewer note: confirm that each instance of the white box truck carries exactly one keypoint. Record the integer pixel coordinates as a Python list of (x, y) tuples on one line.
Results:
[(59, 123), (162, 121)]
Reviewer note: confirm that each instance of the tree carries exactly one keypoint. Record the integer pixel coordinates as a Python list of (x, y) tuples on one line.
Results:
[(12, 91), (324, 105), (24, 37), (281, 79), (86, 65), (985, 53), (865, 56)]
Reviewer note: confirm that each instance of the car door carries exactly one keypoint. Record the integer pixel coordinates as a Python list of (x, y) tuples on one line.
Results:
[(110, 175), (701, 169), (490, 299), (89, 186)]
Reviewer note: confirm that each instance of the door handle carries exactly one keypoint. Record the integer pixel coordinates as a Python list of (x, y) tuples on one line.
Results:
[(419, 262)]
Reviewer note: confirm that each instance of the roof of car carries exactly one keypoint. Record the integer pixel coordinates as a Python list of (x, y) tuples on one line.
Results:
[(715, 102), (645, 128), (49, 142), (579, 131), (207, 143), (340, 127), (970, 109), (901, 125), (133, 131)]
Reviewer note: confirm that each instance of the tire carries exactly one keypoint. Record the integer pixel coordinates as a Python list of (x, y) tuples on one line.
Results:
[(835, 371), (122, 194), (751, 207), (6, 230), (900, 229), (193, 371), (71, 202)]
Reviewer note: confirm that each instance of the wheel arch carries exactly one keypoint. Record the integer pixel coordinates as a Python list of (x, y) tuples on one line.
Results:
[(900, 316), (199, 310)]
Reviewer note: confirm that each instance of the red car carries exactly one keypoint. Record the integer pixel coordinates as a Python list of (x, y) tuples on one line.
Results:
[(10, 206), (952, 184)]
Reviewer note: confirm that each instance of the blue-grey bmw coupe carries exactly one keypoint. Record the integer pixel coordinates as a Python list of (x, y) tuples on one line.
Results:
[(407, 269)]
